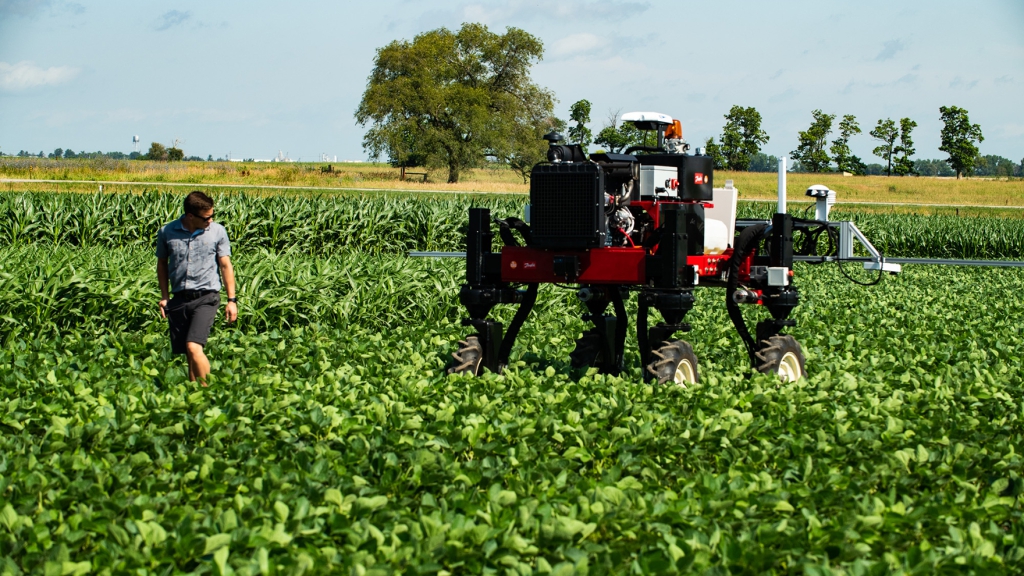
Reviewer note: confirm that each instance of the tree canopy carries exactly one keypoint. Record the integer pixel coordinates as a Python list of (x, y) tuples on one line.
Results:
[(742, 137), (157, 151), (714, 150), (845, 159), (617, 136), (810, 151), (958, 138), (886, 133), (450, 99), (903, 164), (579, 114)]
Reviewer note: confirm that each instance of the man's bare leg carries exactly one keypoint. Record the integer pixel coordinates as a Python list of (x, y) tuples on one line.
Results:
[(198, 364)]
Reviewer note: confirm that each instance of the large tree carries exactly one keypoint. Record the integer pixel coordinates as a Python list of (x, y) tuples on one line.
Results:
[(844, 158), (713, 150), (958, 139), (617, 136), (157, 151), (453, 98), (886, 133), (903, 164), (810, 152), (175, 154), (579, 115), (742, 137), (529, 147)]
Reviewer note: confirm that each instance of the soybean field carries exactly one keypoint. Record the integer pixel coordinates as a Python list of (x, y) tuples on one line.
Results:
[(330, 439)]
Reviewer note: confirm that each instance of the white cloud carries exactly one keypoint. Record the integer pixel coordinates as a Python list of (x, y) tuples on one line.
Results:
[(516, 11), (25, 75), (576, 43)]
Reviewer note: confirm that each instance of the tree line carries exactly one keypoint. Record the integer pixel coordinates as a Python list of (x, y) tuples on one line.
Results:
[(461, 99), (156, 151)]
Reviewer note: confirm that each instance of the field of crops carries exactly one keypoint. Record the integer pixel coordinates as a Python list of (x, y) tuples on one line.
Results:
[(330, 440), (397, 223)]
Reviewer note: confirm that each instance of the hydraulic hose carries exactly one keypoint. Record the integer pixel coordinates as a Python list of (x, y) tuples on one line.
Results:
[(748, 241)]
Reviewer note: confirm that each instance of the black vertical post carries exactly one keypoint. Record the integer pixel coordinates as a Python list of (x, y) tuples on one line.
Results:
[(478, 244), (781, 241), (672, 250)]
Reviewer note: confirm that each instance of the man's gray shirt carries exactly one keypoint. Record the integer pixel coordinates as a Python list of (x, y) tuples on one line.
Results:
[(192, 256)]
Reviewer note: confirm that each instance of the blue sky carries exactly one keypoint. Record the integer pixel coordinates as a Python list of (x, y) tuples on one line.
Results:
[(254, 78)]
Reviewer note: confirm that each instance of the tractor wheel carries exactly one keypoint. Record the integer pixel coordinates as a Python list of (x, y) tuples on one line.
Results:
[(587, 351), (467, 359), (674, 362), (781, 354)]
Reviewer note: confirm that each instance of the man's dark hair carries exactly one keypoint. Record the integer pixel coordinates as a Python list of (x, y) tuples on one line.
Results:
[(197, 202)]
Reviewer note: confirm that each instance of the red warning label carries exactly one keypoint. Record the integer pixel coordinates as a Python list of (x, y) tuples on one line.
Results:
[(698, 178)]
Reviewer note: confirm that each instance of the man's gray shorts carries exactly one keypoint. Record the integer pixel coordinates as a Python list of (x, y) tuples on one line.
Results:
[(190, 315)]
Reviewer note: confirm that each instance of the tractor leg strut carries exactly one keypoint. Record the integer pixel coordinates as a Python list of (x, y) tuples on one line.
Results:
[(610, 330), (484, 290), (528, 299), (673, 306)]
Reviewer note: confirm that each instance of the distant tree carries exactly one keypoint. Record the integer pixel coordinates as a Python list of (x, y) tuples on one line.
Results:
[(209, 158), (762, 162), (886, 133), (714, 150), (42, 154), (528, 146), (69, 153), (933, 168), (453, 98), (903, 165), (175, 154), (874, 169), (958, 139), (844, 158), (742, 137), (994, 165), (157, 151), (136, 156), (616, 136), (578, 132), (810, 151), (58, 153)]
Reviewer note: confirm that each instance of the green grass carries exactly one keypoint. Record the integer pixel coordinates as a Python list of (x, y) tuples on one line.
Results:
[(331, 441)]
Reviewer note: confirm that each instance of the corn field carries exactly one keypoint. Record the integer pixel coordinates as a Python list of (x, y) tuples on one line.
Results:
[(395, 223)]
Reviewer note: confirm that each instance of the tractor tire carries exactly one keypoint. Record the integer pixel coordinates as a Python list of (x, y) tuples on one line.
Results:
[(587, 351), (467, 359), (781, 355), (674, 362)]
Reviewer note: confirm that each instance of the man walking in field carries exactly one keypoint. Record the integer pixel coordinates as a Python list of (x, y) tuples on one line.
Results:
[(189, 252)]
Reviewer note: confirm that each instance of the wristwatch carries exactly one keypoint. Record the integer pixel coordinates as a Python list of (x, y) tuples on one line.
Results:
[(235, 300)]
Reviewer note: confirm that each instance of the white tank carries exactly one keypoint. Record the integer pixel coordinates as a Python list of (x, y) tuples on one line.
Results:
[(716, 237)]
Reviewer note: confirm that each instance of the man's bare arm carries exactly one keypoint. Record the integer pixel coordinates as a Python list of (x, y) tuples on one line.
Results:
[(227, 273), (162, 276)]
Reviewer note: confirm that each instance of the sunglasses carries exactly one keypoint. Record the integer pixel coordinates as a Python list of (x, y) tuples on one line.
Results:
[(206, 220)]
